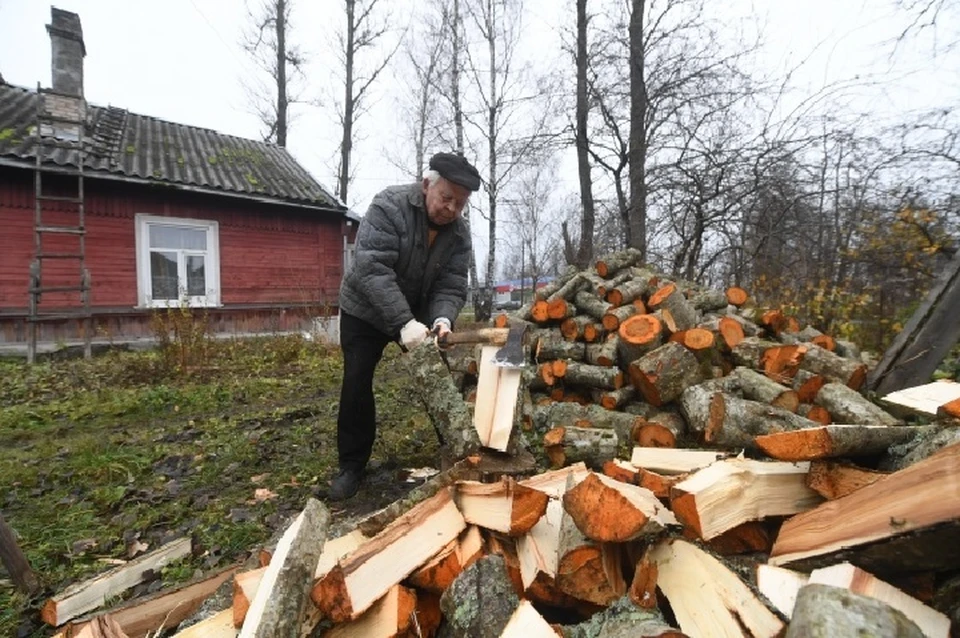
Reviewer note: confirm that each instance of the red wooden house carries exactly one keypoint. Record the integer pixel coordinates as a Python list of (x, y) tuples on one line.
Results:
[(136, 213)]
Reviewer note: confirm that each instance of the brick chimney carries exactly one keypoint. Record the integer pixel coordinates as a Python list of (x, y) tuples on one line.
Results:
[(65, 98)]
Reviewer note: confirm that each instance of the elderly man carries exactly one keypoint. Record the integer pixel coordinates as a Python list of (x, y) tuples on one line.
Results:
[(409, 278)]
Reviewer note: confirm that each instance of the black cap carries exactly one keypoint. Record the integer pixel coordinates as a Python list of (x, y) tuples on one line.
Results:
[(453, 167)]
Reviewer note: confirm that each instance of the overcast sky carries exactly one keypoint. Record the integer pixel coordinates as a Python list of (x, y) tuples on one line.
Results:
[(181, 60)]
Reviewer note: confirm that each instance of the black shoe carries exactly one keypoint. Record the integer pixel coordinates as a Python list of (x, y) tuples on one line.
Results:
[(345, 485)]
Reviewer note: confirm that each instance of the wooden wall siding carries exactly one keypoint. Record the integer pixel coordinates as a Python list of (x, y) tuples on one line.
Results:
[(268, 253)]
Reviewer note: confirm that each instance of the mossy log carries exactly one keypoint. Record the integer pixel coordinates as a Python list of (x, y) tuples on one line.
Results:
[(708, 300), (592, 446), (623, 619), (591, 376), (849, 406), (849, 372), (574, 328), (735, 422), (807, 384), (614, 399), (589, 303), (822, 611), (547, 417), (550, 344), (444, 404), (603, 353), (663, 374), (919, 448), (759, 387), (480, 601)]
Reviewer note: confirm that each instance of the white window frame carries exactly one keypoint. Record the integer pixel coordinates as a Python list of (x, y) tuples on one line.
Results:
[(211, 263)]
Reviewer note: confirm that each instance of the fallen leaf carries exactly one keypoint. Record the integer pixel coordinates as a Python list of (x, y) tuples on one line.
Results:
[(259, 478), (262, 494)]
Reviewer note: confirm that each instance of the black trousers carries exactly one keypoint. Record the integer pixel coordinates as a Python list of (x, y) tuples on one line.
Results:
[(362, 346)]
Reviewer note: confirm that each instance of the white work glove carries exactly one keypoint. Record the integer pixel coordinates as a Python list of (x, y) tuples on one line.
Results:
[(413, 334), (441, 326)]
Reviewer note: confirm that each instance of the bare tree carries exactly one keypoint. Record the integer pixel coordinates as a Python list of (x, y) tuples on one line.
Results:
[(267, 42), (532, 217), (584, 253), (636, 225), (364, 32)]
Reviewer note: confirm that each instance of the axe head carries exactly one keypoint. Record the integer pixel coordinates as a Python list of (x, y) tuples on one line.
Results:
[(511, 354)]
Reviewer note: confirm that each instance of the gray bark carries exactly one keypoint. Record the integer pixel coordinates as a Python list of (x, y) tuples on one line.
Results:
[(849, 406), (823, 611), (480, 601)]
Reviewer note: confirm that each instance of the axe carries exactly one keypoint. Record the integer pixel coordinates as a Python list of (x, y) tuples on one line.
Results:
[(510, 355)]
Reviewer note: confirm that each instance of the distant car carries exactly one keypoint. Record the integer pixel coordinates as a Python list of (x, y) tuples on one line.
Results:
[(507, 305)]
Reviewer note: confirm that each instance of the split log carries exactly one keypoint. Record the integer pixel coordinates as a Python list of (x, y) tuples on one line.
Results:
[(922, 447), (555, 482), (674, 461), (607, 510), (439, 572), (429, 616), (833, 441), (836, 368), (625, 472), (504, 506), (615, 316), (245, 587), (603, 353), (736, 422), (526, 622), (822, 610), (924, 399), (573, 328), (638, 335), (759, 387), (388, 617), (280, 605), (362, 577), (736, 296), (734, 491), (906, 520), (481, 600), (220, 625), (538, 550), (780, 586), (608, 265), (587, 570), (591, 376), (849, 406), (565, 445), (695, 401), (15, 562), (100, 627), (90, 594), (589, 303), (165, 608), (629, 290), (663, 374), (615, 399), (584, 416), (750, 537), (702, 590), (679, 314), (624, 619), (807, 384), (444, 405), (663, 429), (833, 480), (932, 623)]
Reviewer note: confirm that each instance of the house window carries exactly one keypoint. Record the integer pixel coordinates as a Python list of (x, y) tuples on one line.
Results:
[(178, 262)]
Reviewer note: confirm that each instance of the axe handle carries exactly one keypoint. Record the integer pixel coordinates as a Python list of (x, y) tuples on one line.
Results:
[(492, 336)]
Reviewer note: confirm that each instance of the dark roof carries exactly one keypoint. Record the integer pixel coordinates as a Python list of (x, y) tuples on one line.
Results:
[(128, 145)]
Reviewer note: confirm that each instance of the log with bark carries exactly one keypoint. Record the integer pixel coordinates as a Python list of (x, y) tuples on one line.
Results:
[(736, 296), (735, 422), (678, 313), (505, 506), (593, 376), (603, 353), (663, 429), (759, 387), (547, 417), (849, 372), (590, 304), (822, 610), (615, 316), (921, 447), (663, 374), (480, 601), (638, 335), (807, 384), (587, 570), (15, 562), (833, 441), (609, 265), (607, 510), (615, 399), (593, 446), (694, 402), (573, 328), (624, 619), (626, 292), (849, 406), (625, 472), (832, 479)]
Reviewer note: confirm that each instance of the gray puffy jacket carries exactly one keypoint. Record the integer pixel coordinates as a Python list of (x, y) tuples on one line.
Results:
[(396, 276)]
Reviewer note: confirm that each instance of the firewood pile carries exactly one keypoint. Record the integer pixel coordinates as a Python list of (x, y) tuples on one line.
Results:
[(715, 470)]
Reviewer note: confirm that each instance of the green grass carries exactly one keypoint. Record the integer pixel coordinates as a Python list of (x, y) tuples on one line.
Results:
[(97, 454)]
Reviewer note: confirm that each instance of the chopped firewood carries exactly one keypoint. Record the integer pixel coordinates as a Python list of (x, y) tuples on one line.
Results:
[(220, 625), (609, 265), (593, 416), (825, 341), (538, 311), (166, 608), (774, 321), (733, 491), (480, 601), (615, 316), (593, 446), (639, 334), (280, 604), (928, 398), (444, 404), (923, 446), (624, 472), (695, 339), (390, 616), (627, 291), (589, 303), (807, 384), (849, 406), (836, 368), (572, 329), (663, 429), (737, 296), (709, 300), (735, 422), (428, 615), (608, 510), (816, 413), (695, 401), (537, 550), (931, 622), (624, 619), (822, 610), (746, 538), (90, 594), (605, 378), (366, 574), (245, 587), (498, 390), (101, 627), (832, 480), (526, 622), (780, 586), (555, 482), (832, 441), (505, 506), (674, 304), (781, 363), (550, 344), (603, 353), (674, 461), (731, 332), (506, 548), (437, 573), (643, 588), (908, 519), (587, 570), (15, 561), (707, 598), (663, 374), (759, 387), (558, 309)]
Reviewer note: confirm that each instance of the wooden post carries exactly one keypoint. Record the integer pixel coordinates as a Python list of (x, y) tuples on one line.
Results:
[(15, 562)]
